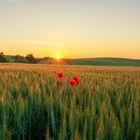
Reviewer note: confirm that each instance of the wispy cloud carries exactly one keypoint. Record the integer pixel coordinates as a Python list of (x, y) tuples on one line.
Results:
[(15, 2), (33, 42)]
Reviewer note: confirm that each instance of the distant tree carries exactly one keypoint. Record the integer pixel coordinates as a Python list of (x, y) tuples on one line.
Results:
[(20, 59), (1, 53), (30, 58), (2, 57)]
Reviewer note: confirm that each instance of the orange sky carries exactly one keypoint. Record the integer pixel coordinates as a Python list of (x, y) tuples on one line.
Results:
[(70, 28)]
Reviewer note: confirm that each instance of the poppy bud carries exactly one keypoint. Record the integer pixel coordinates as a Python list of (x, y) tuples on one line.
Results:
[(58, 82), (72, 93)]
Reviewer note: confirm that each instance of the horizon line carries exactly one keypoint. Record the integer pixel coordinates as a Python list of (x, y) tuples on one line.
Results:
[(74, 57)]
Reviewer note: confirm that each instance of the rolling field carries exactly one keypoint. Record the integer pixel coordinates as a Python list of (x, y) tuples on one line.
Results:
[(104, 61), (105, 106)]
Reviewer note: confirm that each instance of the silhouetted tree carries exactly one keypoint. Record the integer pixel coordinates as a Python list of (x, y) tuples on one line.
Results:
[(20, 59), (2, 57), (1, 53), (31, 58)]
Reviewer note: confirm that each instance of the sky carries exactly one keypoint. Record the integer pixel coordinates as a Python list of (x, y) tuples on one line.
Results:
[(70, 28)]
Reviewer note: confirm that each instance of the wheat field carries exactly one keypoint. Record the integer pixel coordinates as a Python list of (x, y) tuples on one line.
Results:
[(105, 106)]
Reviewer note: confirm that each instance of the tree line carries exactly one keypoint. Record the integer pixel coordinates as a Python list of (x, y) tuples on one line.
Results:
[(18, 58)]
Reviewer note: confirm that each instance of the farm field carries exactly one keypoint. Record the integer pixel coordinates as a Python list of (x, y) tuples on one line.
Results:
[(104, 106)]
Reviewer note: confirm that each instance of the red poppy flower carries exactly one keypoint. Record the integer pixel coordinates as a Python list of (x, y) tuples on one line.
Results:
[(72, 93), (77, 80), (72, 82), (58, 82), (60, 75)]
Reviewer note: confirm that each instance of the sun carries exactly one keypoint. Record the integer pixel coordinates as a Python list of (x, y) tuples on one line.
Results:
[(58, 57)]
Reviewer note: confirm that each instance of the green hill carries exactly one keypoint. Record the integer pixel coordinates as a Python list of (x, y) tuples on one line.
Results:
[(104, 61), (80, 61)]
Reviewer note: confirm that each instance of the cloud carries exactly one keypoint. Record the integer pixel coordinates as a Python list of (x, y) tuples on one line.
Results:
[(32, 42), (15, 2)]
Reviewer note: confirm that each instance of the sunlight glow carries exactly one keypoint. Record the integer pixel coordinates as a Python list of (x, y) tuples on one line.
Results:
[(58, 57)]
